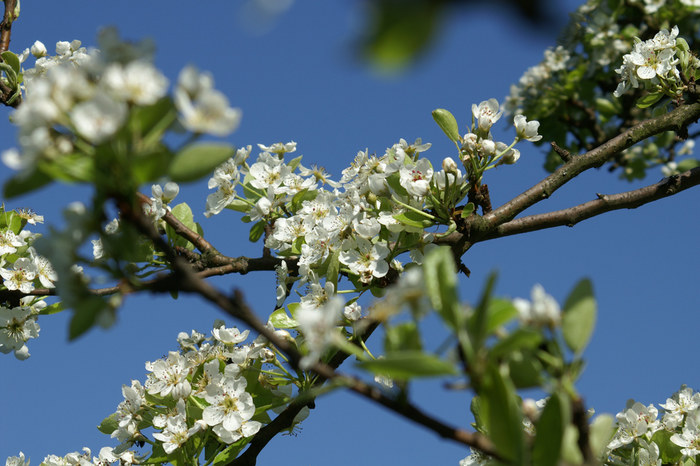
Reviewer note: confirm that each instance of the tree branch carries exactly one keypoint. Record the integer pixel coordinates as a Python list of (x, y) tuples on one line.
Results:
[(675, 120), (605, 203), (5, 32), (478, 228)]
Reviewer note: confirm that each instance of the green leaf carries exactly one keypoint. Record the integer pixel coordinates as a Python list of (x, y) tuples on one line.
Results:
[(294, 163), (151, 121), (669, 452), (687, 164), (109, 424), (256, 231), (149, 166), (405, 365), (280, 319), (400, 31), (550, 429), (402, 337), (525, 369), (520, 340), (414, 219), (85, 316), (198, 160), (478, 321), (184, 214), (570, 452), (579, 316), (70, 168), (440, 277), (447, 123), (12, 60), (52, 309), (500, 312), (239, 205), (467, 210), (500, 410), (649, 99), (333, 269), (300, 197)]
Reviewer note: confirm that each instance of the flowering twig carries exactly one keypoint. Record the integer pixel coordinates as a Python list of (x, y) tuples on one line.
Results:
[(186, 279)]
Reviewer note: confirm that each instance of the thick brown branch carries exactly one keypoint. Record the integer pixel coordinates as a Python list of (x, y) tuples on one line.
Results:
[(605, 203)]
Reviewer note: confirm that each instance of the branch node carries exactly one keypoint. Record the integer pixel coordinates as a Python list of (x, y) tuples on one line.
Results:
[(563, 153)]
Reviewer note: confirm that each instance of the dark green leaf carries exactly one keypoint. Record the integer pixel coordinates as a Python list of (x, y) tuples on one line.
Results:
[(400, 31), (405, 365), (525, 370), (579, 316), (150, 166), (257, 230), (198, 160), (669, 452)]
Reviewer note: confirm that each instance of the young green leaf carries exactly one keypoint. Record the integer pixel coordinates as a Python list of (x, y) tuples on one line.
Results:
[(579, 316), (649, 99), (109, 424), (447, 122), (280, 319)]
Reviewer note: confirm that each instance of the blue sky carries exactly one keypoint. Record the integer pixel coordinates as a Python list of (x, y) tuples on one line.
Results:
[(300, 81)]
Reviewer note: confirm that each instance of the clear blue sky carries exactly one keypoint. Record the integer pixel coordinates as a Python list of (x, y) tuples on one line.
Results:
[(300, 82)]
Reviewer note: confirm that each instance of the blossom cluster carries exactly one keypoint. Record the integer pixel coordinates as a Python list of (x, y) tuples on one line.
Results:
[(637, 424), (652, 61), (81, 97), (22, 269)]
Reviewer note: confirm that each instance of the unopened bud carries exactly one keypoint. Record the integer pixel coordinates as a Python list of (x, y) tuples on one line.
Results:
[(449, 165), (38, 49)]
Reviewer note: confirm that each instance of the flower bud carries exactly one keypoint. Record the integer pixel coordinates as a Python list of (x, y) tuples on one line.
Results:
[(38, 49), (170, 190), (449, 165)]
